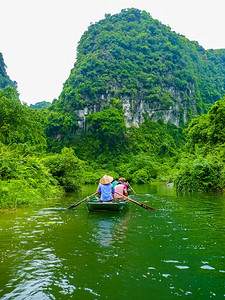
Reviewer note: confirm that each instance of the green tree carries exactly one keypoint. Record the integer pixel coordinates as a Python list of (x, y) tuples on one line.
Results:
[(108, 127), (66, 169), (40, 105), (18, 123), (208, 129)]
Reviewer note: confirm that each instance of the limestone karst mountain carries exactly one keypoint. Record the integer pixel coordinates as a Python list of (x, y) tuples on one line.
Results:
[(152, 70)]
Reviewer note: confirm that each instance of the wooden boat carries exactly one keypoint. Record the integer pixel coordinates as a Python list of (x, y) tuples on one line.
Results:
[(95, 204)]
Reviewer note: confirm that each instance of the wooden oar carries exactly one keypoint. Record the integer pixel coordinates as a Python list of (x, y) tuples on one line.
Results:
[(132, 189), (138, 203), (85, 199)]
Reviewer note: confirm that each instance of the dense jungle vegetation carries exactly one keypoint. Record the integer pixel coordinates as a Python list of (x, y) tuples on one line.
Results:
[(49, 149), (27, 172), (202, 164)]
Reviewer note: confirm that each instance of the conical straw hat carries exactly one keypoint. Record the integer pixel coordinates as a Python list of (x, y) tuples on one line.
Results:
[(122, 179), (106, 179)]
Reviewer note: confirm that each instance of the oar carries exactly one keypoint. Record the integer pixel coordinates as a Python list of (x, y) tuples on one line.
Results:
[(85, 199), (132, 189), (138, 203)]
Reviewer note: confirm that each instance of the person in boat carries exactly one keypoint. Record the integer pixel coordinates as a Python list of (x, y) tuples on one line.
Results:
[(106, 188), (115, 182), (120, 188), (126, 183)]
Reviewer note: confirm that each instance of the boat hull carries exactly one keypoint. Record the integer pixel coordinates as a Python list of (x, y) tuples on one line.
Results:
[(96, 205)]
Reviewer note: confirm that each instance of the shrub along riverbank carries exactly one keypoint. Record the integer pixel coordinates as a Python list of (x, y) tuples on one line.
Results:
[(201, 167)]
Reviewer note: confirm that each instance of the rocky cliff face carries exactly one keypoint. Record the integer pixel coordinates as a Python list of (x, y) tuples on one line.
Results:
[(136, 107)]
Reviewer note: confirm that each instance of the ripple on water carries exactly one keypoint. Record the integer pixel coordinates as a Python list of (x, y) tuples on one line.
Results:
[(91, 291), (166, 275), (207, 267), (182, 267)]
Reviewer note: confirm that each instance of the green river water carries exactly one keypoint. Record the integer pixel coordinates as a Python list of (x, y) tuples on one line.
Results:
[(177, 251)]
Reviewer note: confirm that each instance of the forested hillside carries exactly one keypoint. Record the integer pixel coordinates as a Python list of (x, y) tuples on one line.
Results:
[(134, 58), (4, 78)]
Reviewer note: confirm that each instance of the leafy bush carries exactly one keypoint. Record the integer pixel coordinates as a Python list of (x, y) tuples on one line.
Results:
[(140, 176), (66, 169), (139, 165), (108, 126), (201, 175), (23, 178)]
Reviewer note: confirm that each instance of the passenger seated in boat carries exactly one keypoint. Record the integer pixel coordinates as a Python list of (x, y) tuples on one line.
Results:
[(126, 183), (115, 182), (120, 188), (106, 188)]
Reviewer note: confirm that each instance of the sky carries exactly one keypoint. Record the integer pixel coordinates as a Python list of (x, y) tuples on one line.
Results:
[(39, 38)]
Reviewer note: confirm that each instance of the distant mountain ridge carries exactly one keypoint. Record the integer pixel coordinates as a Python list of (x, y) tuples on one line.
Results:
[(4, 78), (151, 69)]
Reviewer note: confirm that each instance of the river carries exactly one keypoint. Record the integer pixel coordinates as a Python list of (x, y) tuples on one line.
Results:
[(176, 251)]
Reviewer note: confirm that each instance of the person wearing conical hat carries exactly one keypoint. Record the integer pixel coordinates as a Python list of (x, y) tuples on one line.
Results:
[(106, 188)]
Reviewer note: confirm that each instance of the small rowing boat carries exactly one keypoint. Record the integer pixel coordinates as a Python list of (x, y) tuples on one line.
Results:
[(95, 204)]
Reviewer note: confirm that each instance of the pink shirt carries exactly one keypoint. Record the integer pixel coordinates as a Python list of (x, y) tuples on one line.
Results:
[(119, 188)]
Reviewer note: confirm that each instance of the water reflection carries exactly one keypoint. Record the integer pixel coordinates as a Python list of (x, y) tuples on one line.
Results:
[(110, 229), (105, 232)]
